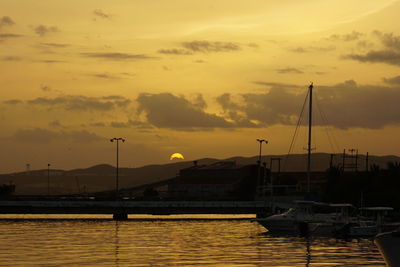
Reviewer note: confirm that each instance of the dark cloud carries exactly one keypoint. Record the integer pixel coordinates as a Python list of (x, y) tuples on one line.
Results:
[(98, 124), (117, 56), (176, 112), (131, 124), (56, 124), (393, 80), (43, 30), (42, 136), (389, 54), (128, 74), (104, 76), (189, 48), (101, 14), (390, 57), (175, 51), (253, 45), (82, 103), (207, 47), (311, 49), (346, 105), (50, 61), (6, 21), (389, 40), (9, 35), (55, 45), (278, 85), (13, 102), (289, 70), (199, 101), (353, 36), (225, 102), (45, 88), (11, 58)]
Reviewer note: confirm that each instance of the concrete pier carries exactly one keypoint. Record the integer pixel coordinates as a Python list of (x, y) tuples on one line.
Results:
[(121, 209)]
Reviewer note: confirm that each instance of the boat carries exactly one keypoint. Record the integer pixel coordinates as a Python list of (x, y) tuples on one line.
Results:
[(370, 223), (309, 218), (388, 244), (302, 219)]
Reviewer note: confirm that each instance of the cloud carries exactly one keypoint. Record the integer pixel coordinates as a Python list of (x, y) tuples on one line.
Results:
[(131, 124), (346, 105), (189, 48), (208, 47), (176, 112), (353, 36), (253, 45), (389, 54), (279, 85), (101, 14), (98, 124), (45, 88), (82, 103), (6, 21), (393, 80), (55, 45), (175, 51), (50, 61), (390, 57), (311, 49), (9, 35), (43, 30), (389, 40), (11, 58), (104, 76), (289, 70), (13, 102), (117, 56), (55, 123), (43, 136)]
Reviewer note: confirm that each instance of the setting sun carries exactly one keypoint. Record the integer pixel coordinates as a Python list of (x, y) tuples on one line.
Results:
[(176, 156)]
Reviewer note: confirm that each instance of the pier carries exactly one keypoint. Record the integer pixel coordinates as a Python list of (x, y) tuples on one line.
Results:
[(121, 208)]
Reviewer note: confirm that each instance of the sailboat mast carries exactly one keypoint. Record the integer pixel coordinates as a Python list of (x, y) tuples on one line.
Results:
[(309, 137)]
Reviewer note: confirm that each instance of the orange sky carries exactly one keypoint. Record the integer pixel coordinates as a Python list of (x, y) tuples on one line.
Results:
[(202, 78)]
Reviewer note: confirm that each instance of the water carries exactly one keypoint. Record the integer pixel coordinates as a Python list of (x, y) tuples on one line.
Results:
[(104, 242)]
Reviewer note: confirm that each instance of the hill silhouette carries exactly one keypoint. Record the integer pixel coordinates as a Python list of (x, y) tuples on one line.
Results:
[(102, 177)]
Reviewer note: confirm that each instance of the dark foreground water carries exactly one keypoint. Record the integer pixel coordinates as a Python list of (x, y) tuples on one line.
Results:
[(58, 242)]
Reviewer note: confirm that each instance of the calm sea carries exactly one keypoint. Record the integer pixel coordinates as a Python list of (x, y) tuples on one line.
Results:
[(53, 241)]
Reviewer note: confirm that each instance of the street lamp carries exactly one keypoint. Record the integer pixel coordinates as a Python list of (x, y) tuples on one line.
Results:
[(259, 159), (261, 141), (116, 178)]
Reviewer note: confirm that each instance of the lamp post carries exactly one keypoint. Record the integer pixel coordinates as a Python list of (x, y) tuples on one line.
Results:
[(48, 179), (117, 139), (259, 159), (261, 141)]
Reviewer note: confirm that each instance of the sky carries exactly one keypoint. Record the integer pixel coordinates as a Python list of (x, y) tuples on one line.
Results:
[(200, 78)]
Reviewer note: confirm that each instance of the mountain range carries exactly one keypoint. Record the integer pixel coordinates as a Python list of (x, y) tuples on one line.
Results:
[(102, 177)]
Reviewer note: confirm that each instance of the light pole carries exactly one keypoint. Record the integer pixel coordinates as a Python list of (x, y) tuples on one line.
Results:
[(259, 159), (48, 179), (261, 141), (116, 177)]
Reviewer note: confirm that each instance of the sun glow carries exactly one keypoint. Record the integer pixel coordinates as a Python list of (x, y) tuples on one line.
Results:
[(176, 156)]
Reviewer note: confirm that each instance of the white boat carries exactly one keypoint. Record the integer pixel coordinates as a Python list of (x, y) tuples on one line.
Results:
[(308, 218), (389, 246), (369, 223)]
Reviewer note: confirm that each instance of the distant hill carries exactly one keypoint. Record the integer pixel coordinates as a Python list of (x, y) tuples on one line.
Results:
[(102, 177)]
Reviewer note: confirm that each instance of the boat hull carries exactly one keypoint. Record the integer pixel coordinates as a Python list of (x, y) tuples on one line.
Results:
[(389, 246)]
